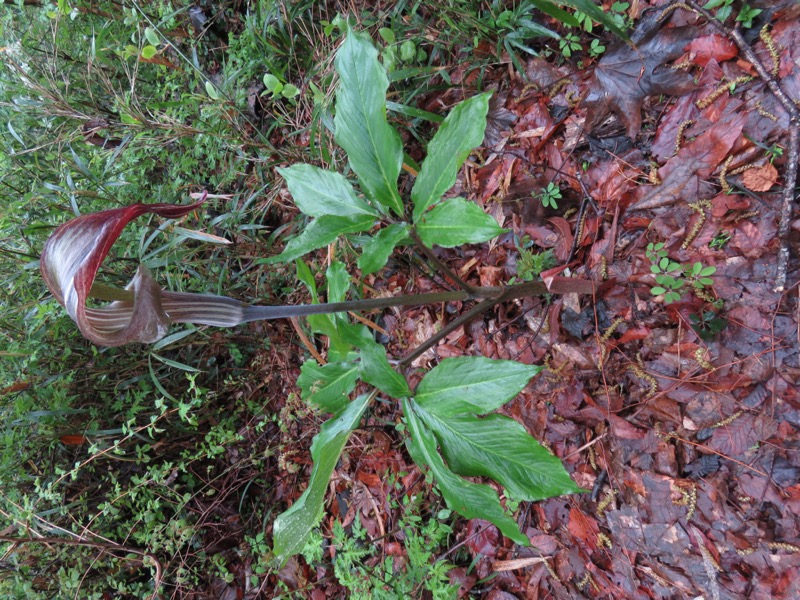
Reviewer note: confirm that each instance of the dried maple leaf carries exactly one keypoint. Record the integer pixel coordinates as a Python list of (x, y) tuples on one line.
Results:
[(625, 76)]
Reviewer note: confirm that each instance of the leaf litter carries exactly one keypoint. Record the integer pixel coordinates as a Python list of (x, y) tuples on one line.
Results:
[(692, 443)]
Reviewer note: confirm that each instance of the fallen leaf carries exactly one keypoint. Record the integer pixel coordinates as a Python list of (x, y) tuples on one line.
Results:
[(760, 179), (703, 49), (627, 75)]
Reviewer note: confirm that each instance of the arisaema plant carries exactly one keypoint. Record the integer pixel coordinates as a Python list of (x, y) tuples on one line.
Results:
[(450, 425)]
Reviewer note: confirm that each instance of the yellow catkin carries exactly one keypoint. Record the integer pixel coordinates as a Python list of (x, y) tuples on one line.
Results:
[(604, 540), (605, 502), (557, 86), (584, 581), (699, 207), (688, 498), (745, 551), (728, 420), (573, 98), (746, 215), (700, 357), (638, 370), (592, 458), (679, 136), (742, 169), (673, 7), (719, 90), (552, 572), (610, 331), (684, 65), (581, 227), (526, 89), (765, 113), (766, 37), (569, 212), (783, 546), (603, 268), (723, 174), (708, 558)]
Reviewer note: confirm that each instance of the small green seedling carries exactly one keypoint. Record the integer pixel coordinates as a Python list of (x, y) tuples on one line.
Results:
[(720, 240), (707, 324), (278, 88), (568, 44), (671, 276), (549, 195)]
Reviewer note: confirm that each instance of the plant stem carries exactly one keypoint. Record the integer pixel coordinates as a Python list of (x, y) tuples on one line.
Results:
[(493, 294), (429, 254)]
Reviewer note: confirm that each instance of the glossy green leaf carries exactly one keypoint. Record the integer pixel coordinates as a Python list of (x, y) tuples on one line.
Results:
[(338, 281), (377, 250), (455, 222), (321, 232), (375, 367), (460, 132), (328, 325), (472, 385), (318, 192), (373, 147), (149, 52), (498, 447), (327, 386), (292, 527), (470, 500)]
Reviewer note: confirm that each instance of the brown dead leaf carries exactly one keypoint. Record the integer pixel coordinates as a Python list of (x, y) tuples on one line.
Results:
[(760, 179), (708, 47), (583, 527), (627, 75)]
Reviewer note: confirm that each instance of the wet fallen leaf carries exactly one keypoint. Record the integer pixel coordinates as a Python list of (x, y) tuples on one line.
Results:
[(627, 75), (760, 179)]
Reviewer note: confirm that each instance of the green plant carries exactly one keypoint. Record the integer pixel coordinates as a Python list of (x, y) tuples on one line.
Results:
[(422, 540), (548, 195), (279, 89), (671, 276), (435, 414), (720, 240), (707, 324), (569, 43), (530, 264), (596, 48), (724, 8)]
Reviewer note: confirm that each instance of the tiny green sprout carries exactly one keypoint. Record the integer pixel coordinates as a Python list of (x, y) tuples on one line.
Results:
[(725, 8), (774, 151), (596, 48), (568, 44), (278, 88), (720, 240), (707, 324), (549, 195), (746, 15)]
